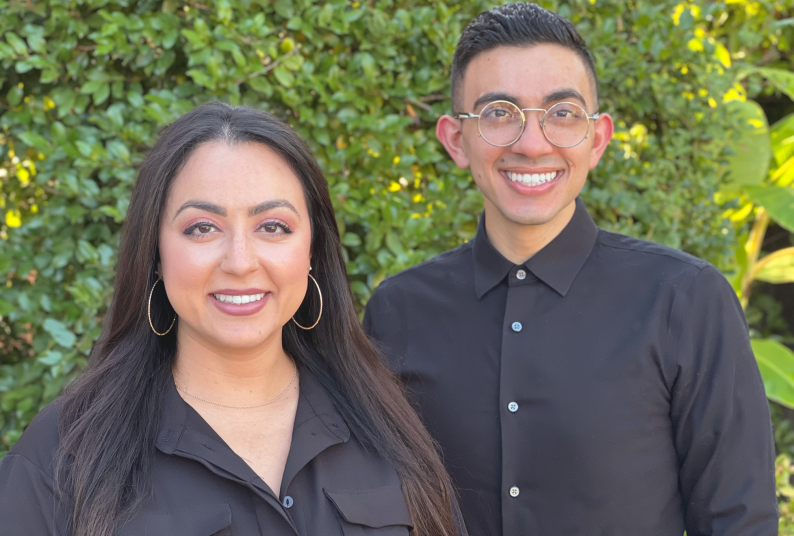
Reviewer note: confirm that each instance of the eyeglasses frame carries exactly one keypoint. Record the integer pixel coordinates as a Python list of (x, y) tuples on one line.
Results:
[(594, 117)]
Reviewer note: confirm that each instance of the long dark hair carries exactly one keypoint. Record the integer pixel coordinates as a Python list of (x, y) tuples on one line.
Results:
[(110, 416)]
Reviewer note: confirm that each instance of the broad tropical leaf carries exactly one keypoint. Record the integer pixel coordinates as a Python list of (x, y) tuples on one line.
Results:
[(753, 150), (776, 363)]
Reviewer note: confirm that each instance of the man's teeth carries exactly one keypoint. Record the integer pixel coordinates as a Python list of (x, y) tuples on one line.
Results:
[(223, 298), (533, 179)]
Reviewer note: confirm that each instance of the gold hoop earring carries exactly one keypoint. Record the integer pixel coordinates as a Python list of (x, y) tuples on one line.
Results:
[(149, 312), (321, 307)]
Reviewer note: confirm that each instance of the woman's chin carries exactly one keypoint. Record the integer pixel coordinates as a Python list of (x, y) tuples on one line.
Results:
[(237, 338)]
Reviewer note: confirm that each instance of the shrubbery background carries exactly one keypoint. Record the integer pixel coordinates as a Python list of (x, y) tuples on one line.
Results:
[(85, 86)]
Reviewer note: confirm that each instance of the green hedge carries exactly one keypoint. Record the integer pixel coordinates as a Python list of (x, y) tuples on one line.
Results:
[(86, 85)]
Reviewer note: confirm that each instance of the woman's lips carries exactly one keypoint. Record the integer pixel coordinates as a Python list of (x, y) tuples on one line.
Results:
[(239, 309)]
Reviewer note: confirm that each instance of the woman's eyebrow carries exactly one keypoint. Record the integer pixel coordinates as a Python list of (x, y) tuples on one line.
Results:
[(253, 211), (274, 203), (202, 205)]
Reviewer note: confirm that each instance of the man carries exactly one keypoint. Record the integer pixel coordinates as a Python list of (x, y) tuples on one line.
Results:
[(578, 381)]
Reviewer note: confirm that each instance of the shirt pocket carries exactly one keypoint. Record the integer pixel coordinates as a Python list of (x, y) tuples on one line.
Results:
[(205, 520), (374, 512)]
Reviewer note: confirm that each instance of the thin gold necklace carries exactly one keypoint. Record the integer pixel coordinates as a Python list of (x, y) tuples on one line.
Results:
[(242, 407)]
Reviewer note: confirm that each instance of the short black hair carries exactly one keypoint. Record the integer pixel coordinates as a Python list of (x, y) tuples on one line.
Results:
[(516, 25)]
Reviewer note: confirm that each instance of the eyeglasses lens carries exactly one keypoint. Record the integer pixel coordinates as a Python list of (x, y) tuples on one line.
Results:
[(566, 124), (500, 123)]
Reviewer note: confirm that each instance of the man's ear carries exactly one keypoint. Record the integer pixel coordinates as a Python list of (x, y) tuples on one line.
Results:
[(604, 128), (448, 132)]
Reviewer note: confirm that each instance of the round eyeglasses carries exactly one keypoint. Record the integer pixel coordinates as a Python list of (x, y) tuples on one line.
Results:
[(501, 123)]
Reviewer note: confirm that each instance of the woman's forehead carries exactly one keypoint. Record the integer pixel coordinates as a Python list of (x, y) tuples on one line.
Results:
[(236, 175)]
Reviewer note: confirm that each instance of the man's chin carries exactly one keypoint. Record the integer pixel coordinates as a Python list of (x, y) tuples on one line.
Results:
[(525, 216)]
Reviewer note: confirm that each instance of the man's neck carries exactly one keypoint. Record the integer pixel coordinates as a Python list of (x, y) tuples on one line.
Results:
[(519, 242)]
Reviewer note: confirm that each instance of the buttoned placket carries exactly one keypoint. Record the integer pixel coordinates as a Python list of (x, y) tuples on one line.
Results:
[(516, 346)]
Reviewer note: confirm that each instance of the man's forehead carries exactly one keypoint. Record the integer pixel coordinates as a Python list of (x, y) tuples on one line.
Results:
[(530, 75)]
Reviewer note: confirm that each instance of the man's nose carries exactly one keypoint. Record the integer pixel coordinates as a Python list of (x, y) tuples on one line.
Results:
[(533, 142)]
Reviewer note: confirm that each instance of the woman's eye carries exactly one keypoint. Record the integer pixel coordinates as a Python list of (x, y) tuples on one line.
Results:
[(200, 229), (275, 227)]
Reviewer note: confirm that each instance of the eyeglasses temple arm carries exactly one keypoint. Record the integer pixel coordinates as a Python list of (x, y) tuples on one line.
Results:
[(466, 116)]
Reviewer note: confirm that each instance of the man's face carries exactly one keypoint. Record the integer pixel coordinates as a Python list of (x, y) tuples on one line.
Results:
[(534, 77)]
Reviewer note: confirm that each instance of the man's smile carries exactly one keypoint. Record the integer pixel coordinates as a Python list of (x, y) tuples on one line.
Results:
[(534, 179)]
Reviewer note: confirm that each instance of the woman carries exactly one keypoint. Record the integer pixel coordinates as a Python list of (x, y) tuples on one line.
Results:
[(233, 390)]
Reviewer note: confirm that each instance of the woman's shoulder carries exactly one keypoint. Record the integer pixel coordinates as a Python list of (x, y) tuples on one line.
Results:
[(40, 441)]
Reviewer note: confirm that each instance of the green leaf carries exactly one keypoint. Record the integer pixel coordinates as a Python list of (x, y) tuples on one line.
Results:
[(782, 137), (14, 96), (782, 79), (753, 150), (59, 332), (777, 201), (17, 43), (201, 78), (351, 240), (776, 363), (394, 244), (31, 139), (51, 358), (284, 77), (92, 86), (780, 269)]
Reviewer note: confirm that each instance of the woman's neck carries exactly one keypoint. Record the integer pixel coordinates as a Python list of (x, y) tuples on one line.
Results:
[(232, 376)]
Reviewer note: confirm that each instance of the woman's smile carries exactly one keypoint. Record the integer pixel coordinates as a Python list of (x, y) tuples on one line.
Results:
[(239, 302)]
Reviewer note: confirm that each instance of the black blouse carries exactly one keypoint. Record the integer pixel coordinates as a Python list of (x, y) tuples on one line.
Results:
[(331, 484)]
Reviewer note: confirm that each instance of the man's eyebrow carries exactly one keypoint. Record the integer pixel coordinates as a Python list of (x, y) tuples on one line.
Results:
[(202, 205), (268, 205), (556, 96), (563, 94), (495, 96)]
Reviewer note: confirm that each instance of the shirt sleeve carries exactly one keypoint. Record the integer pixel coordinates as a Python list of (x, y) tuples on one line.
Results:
[(27, 502), (720, 415), (371, 311)]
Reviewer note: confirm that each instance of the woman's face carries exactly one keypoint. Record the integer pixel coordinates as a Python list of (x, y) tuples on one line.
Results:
[(235, 246)]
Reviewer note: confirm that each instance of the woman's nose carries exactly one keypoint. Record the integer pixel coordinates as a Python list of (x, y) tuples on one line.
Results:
[(240, 257)]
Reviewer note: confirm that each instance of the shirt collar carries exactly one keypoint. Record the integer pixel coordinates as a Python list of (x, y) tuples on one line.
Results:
[(557, 264), (178, 417)]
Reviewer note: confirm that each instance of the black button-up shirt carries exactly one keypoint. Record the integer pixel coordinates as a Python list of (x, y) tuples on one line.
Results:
[(331, 484), (604, 387)]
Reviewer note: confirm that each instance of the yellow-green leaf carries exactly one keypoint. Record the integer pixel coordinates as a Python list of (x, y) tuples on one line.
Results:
[(779, 268), (776, 363), (778, 202), (753, 150)]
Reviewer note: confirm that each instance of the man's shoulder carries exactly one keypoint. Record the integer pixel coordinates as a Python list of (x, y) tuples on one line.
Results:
[(433, 271), (657, 259)]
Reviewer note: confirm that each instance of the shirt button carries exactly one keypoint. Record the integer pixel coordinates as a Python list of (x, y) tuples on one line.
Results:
[(514, 491), (517, 326), (288, 502), (521, 274), (513, 407)]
